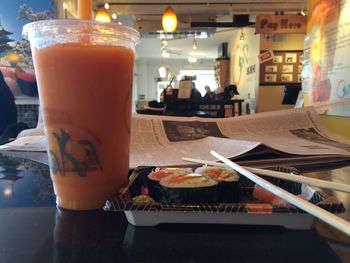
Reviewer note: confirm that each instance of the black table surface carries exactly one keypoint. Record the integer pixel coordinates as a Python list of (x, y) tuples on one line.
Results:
[(32, 229)]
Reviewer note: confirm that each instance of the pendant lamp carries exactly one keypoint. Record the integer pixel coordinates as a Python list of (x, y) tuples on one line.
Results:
[(102, 15), (169, 20)]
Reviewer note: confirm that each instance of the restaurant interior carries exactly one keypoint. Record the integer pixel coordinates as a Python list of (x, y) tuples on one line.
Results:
[(269, 51)]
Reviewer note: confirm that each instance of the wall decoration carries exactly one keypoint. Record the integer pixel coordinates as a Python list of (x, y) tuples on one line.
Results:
[(290, 58), (16, 63), (277, 59), (326, 75), (286, 66), (270, 69), (287, 77), (270, 77)]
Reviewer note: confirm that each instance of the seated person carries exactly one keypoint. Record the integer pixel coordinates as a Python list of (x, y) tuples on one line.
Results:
[(8, 110), (230, 91)]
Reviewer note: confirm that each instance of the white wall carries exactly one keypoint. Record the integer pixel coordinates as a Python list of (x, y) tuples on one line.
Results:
[(146, 72), (244, 55)]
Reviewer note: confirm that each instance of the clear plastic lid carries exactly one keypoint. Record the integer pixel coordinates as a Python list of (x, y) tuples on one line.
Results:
[(72, 30)]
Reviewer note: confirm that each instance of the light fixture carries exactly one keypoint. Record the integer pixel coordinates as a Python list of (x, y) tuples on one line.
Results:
[(106, 6), (241, 37), (114, 16), (165, 54), (102, 15), (169, 20), (302, 12), (163, 71), (194, 44), (192, 59)]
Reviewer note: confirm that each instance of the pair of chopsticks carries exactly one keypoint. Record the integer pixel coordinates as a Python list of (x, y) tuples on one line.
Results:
[(286, 176), (312, 209)]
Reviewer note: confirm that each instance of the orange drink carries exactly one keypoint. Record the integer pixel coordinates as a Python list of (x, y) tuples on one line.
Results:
[(84, 71)]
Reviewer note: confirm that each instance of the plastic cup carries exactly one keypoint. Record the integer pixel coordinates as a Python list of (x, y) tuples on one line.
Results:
[(84, 71)]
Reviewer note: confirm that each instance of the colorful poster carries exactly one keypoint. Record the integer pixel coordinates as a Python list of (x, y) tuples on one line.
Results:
[(327, 49), (16, 63)]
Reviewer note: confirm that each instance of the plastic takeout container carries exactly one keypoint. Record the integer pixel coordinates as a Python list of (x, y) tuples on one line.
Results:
[(247, 212)]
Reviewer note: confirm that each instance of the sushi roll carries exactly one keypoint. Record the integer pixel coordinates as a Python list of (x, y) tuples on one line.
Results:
[(153, 179), (228, 187), (189, 188)]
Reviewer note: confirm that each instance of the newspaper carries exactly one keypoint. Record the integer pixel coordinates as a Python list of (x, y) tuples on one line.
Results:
[(288, 137)]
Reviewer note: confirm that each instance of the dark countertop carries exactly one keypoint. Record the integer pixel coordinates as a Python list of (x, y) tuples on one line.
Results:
[(32, 229)]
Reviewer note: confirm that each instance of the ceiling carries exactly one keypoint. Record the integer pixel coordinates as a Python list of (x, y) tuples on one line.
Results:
[(146, 17)]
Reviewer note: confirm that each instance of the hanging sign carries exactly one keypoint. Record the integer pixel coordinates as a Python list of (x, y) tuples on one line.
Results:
[(280, 24)]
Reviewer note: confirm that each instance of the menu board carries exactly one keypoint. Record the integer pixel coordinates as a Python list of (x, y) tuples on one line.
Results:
[(284, 68)]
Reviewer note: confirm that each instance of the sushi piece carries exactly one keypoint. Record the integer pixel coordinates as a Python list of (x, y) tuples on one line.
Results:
[(153, 179), (189, 188), (266, 196), (228, 187)]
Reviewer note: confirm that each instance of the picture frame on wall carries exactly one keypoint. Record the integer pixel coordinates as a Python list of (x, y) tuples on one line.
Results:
[(277, 59), (290, 58), (287, 78), (287, 69), (271, 69), (270, 78)]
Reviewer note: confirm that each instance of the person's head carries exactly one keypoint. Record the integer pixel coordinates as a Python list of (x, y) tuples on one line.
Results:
[(230, 91), (207, 89)]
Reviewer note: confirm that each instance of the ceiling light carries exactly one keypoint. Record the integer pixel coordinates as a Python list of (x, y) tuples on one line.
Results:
[(241, 37), (106, 6), (192, 59), (163, 71), (169, 20), (302, 12), (114, 16), (102, 15), (165, 54)]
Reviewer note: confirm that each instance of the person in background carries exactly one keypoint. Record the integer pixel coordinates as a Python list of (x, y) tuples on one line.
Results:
[(209, 95), (230, 91), (195, 94), (219, 94), (8, 110)]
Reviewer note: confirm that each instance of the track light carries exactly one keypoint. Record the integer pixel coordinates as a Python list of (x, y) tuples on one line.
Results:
[(106, 6), (194, 44), (241, 37)]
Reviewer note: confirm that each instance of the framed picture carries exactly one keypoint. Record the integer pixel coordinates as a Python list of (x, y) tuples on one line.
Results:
[(287, 77), (271, 69), (284, 67), (270, 78), (287, 69), (290, 58), (277, 59)]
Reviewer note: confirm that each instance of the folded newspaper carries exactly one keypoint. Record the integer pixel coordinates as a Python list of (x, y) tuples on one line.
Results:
[(293, 137)]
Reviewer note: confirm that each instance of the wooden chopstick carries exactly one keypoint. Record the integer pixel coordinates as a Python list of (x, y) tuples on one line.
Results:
[(312, 209), (286, 176)]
